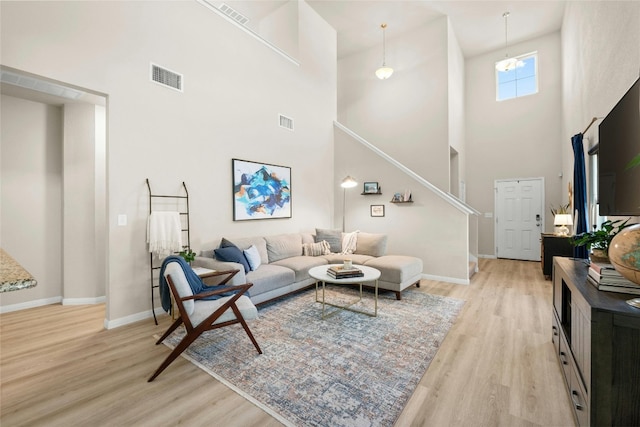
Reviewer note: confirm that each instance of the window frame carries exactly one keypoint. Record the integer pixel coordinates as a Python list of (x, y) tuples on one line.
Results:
[(518, 57)]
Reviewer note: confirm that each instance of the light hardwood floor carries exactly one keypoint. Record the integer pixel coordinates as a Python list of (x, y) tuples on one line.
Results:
[(59, 367)]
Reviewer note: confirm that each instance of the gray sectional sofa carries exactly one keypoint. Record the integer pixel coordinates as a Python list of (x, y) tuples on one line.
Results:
[(281, 267)]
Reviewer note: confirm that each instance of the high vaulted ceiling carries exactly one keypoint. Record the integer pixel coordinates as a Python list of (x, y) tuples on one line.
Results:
[(478, 25)]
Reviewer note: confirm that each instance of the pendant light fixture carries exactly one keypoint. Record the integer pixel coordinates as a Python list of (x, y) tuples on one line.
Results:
[(384, 72), (507, 64)]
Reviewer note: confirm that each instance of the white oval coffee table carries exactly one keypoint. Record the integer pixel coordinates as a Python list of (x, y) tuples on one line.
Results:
[(370, 275)]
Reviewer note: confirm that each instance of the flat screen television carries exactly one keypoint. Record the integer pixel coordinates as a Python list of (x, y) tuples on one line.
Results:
[(619, 144)]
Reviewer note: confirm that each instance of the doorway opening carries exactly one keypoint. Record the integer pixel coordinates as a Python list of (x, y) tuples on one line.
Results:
[(54, 141)]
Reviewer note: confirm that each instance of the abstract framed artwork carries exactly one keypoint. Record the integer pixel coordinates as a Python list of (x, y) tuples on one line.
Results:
[(377, 210), (260, 190)]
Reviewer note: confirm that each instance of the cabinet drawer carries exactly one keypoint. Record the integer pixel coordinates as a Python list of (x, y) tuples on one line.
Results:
[(566, 360), (579, 398), (555, 333)]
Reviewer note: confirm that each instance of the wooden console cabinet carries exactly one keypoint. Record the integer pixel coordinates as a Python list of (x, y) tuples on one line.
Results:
[(552, 245), (596, 335)]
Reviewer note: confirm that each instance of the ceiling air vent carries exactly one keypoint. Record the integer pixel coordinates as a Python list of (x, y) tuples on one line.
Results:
[(166, 77), (286, 122), (233, 14)]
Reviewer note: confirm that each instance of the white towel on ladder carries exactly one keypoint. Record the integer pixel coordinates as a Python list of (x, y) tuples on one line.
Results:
[(164, 233)]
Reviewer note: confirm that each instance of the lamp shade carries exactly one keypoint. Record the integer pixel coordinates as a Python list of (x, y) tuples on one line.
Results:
[(509, 64), (384, 72), (348, 182), (562, 219)]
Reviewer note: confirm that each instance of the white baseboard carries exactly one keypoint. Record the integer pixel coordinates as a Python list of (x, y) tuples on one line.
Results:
[(110, 324), (30, 304), (446, 279), (487, 256), (84, 301)]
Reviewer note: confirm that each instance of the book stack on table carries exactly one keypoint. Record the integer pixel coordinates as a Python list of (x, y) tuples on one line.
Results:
[(339, 272), (606, 278)]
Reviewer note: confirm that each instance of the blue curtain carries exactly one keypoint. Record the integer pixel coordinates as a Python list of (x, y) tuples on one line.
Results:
[(579, 193)]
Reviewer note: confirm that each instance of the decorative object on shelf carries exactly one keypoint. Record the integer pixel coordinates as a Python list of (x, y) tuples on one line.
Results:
[(385, 71), (599, 241), (260, 190), (371, 188), (377, 210), (402, 197), (507, 64), (561, 221), (347, 182)]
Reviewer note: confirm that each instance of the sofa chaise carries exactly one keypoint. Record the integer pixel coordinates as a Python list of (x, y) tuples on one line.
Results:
[(279, 264)]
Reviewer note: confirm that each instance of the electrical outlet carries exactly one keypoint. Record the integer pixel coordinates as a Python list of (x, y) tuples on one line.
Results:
[(122, 219)]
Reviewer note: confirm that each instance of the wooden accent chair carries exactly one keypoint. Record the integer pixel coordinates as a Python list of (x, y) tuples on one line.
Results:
[(199, 315)]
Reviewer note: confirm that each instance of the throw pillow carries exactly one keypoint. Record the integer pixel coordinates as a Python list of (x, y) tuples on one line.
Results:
[(333, 237), (371, 244), (349, 241), (316, 249), (225, 243), (232, 254), (253, 257)]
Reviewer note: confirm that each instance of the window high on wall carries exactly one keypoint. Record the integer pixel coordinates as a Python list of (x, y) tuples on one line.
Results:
[(520, 81)]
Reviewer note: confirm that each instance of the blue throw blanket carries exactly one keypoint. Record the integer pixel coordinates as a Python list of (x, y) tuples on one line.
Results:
[(195, 282)]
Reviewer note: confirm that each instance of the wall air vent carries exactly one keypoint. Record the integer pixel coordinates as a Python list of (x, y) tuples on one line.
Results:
[(166, 77), (233, 14), (286, 122)]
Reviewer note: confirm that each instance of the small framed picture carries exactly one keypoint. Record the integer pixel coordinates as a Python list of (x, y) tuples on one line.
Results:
[(377, 210), (371, 187)]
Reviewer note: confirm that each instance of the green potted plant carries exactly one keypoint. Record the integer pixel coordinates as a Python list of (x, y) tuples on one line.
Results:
[(562, 209), (188, 255), (598, 241)]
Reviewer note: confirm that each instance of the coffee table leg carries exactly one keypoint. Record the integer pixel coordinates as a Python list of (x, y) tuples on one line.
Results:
[(376, 299), (323, 285)]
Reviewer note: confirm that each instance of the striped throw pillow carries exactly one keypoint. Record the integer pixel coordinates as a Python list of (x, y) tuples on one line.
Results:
[(316, 249)]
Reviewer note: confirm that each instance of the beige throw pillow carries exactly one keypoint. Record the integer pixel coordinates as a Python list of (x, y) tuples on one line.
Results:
[(316, 249)]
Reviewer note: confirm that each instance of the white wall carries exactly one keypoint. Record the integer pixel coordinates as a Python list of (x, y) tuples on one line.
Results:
[(518, 138), (429, 228), (234, 89), (31, 183), (83, 269), (406, 115), (456, 104), (601, 57)]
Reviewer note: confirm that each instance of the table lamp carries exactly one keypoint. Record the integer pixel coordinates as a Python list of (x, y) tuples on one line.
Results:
[(562, 220)]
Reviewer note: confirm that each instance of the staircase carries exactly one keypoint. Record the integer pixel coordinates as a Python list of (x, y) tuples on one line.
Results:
[(443, 235)]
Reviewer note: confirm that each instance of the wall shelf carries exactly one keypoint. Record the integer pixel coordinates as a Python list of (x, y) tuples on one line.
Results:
[(371, 194), (398, 202)]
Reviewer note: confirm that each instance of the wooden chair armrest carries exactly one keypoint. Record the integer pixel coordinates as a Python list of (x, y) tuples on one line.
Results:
[(220, 289), (229, 273)]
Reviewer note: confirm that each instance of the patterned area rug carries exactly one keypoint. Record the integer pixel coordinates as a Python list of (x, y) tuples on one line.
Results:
[(346, 370)]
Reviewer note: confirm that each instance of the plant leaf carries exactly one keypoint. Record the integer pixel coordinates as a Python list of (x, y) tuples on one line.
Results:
[(633, 163)]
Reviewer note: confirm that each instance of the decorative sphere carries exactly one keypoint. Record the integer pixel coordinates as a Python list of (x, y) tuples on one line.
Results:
[(624, 253)]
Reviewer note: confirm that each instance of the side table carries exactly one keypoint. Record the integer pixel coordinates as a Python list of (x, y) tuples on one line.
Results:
[(553, 245)]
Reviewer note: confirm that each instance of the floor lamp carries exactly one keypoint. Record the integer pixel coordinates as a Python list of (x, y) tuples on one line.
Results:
[(348, 182)]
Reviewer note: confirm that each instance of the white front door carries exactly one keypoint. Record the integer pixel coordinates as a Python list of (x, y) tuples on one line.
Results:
[(519, 218)]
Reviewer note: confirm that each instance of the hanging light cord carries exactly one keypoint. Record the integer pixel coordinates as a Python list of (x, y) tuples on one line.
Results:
[(383, 26), (506, 44)]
